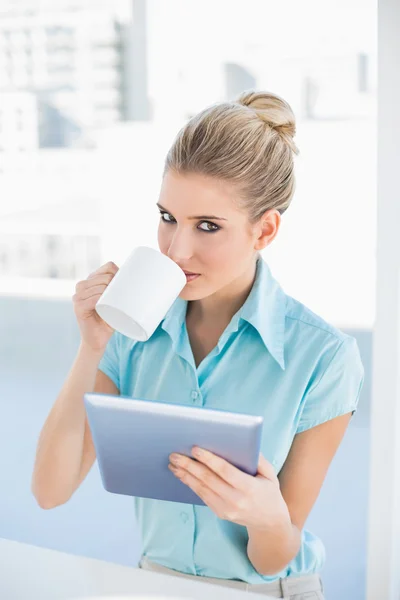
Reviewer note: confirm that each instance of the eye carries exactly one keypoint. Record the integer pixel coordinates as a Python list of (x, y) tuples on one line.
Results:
[(211, 225), (165, 214)]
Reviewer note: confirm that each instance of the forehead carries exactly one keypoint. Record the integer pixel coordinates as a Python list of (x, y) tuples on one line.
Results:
[(191, 193)]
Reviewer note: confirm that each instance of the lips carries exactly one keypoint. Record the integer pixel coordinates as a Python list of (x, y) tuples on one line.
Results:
[(189, 273)]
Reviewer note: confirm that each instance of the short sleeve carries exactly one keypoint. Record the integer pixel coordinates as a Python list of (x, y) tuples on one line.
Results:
[(110, 362), (337, 391)]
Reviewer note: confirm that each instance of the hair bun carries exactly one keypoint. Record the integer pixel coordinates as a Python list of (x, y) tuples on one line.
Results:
[(273, 111)]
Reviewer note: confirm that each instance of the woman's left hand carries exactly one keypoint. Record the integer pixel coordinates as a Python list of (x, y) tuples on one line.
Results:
[(255, 502)]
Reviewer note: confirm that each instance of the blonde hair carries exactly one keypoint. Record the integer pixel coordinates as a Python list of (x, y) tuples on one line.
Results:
[(247, 142)]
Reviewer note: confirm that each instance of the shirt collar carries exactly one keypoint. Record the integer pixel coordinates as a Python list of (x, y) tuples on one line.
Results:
[(264, 309)]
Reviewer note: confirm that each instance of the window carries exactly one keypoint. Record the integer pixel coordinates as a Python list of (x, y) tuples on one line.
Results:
[(88, 194)]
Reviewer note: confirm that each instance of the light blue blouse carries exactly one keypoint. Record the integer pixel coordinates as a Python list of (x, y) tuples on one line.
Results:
[(277, 359)]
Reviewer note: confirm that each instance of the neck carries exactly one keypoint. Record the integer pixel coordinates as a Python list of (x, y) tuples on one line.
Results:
[(221, 306)]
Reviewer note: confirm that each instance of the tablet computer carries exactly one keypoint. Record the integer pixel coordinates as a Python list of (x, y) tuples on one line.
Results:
[(133, 439)]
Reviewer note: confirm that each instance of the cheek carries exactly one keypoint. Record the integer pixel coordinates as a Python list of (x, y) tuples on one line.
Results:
[(227, 260), (213, 251), (219, 262), (163, 240), (227, 248)]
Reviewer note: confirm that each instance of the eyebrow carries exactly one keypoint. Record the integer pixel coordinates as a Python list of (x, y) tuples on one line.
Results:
[(214, 218)]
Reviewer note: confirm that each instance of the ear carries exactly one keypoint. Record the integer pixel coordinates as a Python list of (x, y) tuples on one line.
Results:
[(267, 228)]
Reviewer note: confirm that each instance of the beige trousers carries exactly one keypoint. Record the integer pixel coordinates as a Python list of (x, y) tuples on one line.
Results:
[(308, 587)]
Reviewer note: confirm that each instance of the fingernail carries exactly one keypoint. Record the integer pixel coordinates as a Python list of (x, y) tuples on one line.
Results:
[(175, 470)]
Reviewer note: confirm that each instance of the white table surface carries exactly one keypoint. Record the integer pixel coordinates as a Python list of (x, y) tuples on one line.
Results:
[(32, 573)]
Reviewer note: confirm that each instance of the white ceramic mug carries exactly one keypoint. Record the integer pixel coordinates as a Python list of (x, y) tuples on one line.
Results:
[(141, 293)]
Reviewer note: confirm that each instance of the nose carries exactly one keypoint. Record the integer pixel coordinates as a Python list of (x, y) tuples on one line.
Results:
[(181, 247)]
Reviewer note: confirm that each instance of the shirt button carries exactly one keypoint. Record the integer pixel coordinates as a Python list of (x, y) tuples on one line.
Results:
[(184, 517), (194, 394)]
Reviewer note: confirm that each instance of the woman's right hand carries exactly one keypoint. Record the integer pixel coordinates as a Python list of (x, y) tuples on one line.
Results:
[(95, 332)]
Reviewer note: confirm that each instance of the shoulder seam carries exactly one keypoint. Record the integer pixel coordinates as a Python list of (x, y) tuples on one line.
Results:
[(317, 326)]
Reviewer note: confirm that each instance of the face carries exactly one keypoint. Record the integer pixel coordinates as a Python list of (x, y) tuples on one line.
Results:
[(204, 232)]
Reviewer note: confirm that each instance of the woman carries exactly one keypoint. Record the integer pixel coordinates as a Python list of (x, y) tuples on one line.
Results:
[(233, 339)]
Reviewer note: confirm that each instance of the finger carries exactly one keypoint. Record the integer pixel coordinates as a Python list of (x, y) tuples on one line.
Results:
[(96, 290), (106, 276), (209, 496), (87, 305), (203, 474), (108, 267), (266, 469), (103, 279), (99, 274), (229, 473)]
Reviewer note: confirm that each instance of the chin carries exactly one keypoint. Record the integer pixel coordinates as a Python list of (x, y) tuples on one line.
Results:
[(188, 295), (191, 294)]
